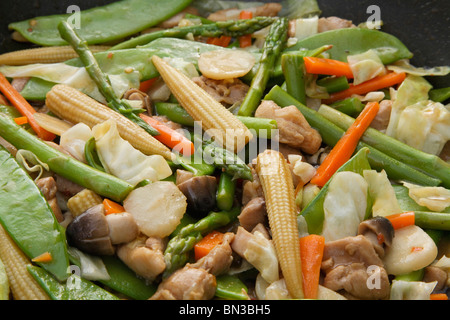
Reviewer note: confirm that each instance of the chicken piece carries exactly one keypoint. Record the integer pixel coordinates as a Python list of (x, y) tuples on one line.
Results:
[(227, 91), (122, 227), (333, 23), (347, 263), (294, 129), (19, 83), (433, 273), (270, 9), (187, 283), (219, 259), (381, 120), (253, 214), (48, 189), (144, 256), (183, 175), (251, 189)]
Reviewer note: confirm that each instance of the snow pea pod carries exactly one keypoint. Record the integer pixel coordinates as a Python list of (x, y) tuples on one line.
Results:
[(350, 41), (102, 24), (75, 288), (231, 287), (120, 62), (28, 219)]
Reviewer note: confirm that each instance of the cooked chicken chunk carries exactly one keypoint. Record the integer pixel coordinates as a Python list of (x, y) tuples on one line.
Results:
[(48, 189), (333, 23), (293, 128), (227, 91)]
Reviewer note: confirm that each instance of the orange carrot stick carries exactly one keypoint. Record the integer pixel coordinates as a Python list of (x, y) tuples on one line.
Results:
[(377, 83), (327, 67), (23, 107), (311, 253), (21, 120), (112, 207), (344, 148), (246, 40), (438, 296), (403, 219), (170, 137), (208, 242), (45, 257), (146, 85)]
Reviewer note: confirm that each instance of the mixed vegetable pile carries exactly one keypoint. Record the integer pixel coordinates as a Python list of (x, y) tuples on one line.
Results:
[(220, 150)]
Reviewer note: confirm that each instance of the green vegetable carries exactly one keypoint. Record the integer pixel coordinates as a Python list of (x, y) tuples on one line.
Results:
[(91, 155), (349, 106), (179, 247), (76, 288), (224, 159), (231, 287), (406, 203), (313, 212), (412, 276), (225, 192), (102, 24), (432, 220), (331, 133), (232, 28), (27, 217), (273, 45), (102, 183), (334, 84), (125, 281), (351, 41), (102, 80), (293, 69), (198, 169), (430, 164), (439, 95)]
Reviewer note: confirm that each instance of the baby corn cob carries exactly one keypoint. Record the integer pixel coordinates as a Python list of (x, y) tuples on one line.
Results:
[(23, 285), (221, 124), (277, 184), (43, 55), (74, 106), (82, 201)]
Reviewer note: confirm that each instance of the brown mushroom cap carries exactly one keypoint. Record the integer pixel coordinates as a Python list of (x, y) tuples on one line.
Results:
[(200, 194), (379, 231), (89, 232)]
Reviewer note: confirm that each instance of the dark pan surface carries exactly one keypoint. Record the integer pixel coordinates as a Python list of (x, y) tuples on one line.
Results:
[(423, 25)]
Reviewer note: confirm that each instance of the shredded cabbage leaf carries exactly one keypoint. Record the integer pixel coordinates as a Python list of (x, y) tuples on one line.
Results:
[(434, 198), (382, 193), (31, 163), (365, 66), (92, 267), (433, 119), (76, 77), (403, 65), (261, 254), (122, 160), (412, 90), (74, 140), (344, 205), (411, 290)]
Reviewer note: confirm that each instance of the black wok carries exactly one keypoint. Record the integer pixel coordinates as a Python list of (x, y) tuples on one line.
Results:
[(422, 25)]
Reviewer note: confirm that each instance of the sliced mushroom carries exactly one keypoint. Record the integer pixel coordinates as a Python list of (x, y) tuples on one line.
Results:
[(89, 232), (379, 231), (136, 94), (122, 227), (200, 193)]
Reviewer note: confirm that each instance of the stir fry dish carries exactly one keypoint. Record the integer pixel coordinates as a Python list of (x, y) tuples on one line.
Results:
[(198, 150)]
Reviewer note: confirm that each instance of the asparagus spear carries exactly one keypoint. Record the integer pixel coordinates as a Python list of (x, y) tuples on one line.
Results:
[(178, 248), (101, 79), (100, 182), (274, 44), (224, 159), (230, 28)]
